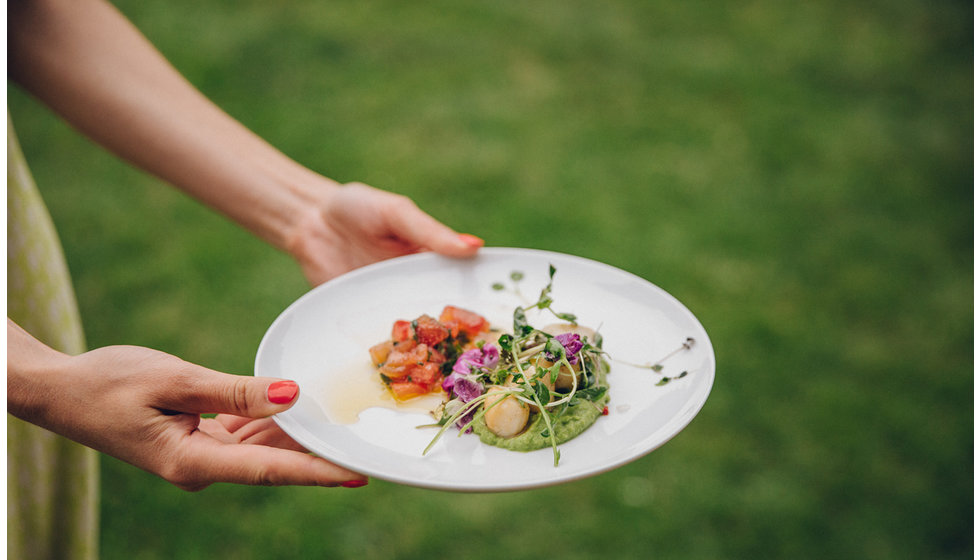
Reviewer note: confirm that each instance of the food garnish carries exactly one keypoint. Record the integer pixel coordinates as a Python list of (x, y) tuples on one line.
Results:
[(527, 389), (658, 366), (415, 359)]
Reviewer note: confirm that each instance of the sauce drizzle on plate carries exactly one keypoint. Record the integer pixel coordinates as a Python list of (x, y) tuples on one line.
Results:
[(359, 388)]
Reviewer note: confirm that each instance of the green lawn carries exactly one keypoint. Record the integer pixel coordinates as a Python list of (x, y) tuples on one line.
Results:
[(798, 174)]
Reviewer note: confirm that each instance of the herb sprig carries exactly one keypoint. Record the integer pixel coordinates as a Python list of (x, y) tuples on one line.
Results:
[(519, 375), (658, 366)]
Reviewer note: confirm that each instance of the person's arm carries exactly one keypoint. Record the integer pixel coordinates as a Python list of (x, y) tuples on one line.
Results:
[(144, 407), (86, 61)]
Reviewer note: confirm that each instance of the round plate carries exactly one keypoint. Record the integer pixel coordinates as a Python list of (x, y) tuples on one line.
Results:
[(322, 339)]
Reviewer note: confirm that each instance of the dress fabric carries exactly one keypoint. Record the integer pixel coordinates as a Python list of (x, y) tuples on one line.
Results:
[(52, 483)]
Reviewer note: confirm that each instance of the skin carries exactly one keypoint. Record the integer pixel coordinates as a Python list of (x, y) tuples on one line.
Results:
[(88, 63)]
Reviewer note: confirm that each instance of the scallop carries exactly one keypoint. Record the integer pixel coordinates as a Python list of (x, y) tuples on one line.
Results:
[(505, 415), (564, 381)]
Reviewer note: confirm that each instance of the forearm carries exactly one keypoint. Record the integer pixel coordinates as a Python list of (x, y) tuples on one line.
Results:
[(31, 367), (88, 63)]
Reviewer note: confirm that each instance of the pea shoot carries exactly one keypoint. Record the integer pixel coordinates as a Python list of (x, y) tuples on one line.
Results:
[(548, 375), (530, 364)]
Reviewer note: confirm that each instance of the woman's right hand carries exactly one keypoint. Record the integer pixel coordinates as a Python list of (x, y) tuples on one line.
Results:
[(344, 227), (144, 407)]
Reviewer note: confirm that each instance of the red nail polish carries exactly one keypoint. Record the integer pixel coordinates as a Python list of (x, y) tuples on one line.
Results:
[(282, 392), (471, 240), (354, 483)]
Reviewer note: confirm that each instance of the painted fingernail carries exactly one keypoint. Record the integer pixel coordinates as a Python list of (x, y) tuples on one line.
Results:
[(282, 392), (354, 483), (471, 240)]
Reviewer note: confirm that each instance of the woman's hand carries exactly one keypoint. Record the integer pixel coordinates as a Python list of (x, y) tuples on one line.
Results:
[(92, 66), (144, 407), (353, 225)]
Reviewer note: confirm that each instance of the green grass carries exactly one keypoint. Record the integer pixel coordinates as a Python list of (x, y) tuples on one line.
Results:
[(800, 175)]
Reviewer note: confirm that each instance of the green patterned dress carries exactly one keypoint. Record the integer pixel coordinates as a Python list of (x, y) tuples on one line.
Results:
[(52, 483)]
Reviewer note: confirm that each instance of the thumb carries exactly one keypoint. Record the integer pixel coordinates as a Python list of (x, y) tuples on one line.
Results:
[(214, 392)]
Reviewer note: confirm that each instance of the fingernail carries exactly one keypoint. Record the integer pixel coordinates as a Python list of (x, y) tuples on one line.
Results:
[(471, 240), (282, 392), (354, 483)]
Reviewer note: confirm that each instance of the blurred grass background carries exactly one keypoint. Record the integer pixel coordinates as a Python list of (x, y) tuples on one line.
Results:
[(798, 174)]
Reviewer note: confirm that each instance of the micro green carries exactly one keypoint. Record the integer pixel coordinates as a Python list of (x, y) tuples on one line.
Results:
[(520, 376)]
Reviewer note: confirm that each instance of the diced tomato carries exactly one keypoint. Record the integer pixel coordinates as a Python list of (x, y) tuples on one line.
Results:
[(462, 321), (429, 331), (394, 372), (410, 362), (436, 356), (379, 352), (400, 362), (403, 390), (427, 374), (401, 331), (415, 380), (418, 354), (405, 345)]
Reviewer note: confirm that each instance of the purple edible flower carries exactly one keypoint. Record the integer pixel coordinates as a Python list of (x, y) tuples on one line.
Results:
[(477, 358), (450, 381), (572, 343), (463, 383), (466, 419), (467, 389), (473, 360)]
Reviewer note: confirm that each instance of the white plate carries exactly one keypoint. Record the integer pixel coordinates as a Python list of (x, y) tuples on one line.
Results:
[(323, 338)]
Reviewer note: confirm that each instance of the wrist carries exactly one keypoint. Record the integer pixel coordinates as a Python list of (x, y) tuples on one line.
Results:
[(305, 218), (32, 373)]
